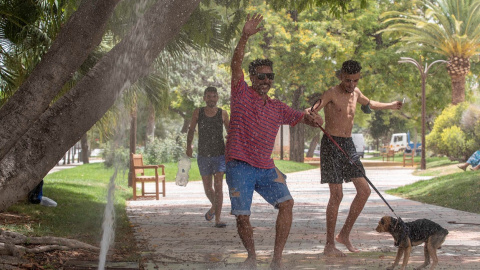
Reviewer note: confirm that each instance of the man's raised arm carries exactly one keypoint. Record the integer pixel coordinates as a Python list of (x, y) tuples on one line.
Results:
[(250, 28)]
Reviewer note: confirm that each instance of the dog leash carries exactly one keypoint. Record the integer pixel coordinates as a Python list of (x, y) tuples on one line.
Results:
[(351, 161)]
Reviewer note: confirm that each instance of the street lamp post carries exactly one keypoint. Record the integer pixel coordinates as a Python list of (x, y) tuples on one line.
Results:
[(423, 74)]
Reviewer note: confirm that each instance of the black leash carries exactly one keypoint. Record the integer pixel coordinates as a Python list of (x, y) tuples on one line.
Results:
[(351, 161)]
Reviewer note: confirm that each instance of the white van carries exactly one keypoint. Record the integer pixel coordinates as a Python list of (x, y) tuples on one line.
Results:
[(399, 142), (359, 143)]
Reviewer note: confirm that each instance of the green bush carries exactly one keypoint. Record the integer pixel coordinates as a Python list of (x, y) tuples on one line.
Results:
[(169, 149), (115, 155), (453, 141), (455, 132)]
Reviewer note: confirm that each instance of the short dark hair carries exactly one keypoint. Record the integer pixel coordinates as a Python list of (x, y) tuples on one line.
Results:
[(351, 67), (210, 89), (252, 68)]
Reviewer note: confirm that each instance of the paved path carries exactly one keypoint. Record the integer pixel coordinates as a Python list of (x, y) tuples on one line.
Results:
[(174, 234)]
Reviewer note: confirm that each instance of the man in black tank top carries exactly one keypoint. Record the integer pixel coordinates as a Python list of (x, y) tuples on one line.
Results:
[(211, 150)]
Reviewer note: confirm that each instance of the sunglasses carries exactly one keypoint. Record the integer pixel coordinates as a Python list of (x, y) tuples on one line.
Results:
[(270, 76)]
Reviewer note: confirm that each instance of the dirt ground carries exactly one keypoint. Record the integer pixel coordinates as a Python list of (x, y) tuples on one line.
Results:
[(58, 259), (172, 212)]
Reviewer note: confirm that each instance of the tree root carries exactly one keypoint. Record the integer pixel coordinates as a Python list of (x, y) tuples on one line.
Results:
[(16, 244)]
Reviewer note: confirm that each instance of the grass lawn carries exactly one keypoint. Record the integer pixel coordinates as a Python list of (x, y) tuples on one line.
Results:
[(81, 194), (457, 190)]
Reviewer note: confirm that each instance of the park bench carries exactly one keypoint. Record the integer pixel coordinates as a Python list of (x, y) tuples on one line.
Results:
[(387, 153), (408, 157), (138, 176)]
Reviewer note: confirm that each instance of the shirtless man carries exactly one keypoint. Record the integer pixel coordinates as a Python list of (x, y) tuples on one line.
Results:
[(339, 103)]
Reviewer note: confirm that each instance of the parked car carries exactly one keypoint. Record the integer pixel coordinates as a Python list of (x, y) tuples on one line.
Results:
[(359, 144)]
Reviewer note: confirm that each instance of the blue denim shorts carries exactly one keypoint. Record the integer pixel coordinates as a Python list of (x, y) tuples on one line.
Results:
[(210, 165), (243, 179)]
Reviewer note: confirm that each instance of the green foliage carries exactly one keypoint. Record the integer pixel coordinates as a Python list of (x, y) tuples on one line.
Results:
[(27, 29), (447, 27), (17, 15), (169, 149), (336, 7), (455, 132), (453, 141), (115, 155), (459, 191), (189, 80)]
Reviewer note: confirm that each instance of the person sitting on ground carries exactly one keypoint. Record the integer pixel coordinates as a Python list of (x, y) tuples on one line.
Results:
[(36, 197), (473, 160)]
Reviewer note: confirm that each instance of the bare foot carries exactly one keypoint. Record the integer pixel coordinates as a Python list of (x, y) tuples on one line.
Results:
[(347, 243), (332, 251), (276, 265), (249, 264), (461, 167)]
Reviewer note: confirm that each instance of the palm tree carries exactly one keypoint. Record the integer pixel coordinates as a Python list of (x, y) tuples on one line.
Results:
[(27, 29), (446, 27)]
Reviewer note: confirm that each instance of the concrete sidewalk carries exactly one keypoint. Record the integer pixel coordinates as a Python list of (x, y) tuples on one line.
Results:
[(174, 234)]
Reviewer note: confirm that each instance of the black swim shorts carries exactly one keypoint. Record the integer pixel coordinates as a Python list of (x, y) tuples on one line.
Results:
[(335, 166)]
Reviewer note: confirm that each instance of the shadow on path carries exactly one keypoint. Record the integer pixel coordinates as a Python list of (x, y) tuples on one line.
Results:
[(174, 234)]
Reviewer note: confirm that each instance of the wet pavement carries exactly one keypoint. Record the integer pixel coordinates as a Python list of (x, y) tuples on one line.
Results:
[(173, 233)]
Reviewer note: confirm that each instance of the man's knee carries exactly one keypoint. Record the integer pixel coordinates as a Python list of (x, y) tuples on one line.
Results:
[(365, 191), (368, 191), (243, 220), (218, 184), (286, 205), (336, 197)]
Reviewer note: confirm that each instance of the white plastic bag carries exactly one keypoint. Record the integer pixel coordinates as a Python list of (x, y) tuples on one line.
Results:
[(182, 174)]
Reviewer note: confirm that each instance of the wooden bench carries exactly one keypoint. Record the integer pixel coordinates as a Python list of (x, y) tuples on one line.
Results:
[(387, 153), (138, 176), (408, 157)]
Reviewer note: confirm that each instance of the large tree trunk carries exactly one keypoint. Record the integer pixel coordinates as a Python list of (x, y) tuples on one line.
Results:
[(313, 145), (458, 67), (186, 116), (63, 124), (297, 133), (78, 37), (458, 89)]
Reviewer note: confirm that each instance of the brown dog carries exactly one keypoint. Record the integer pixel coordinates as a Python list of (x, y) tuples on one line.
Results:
[(411, 234)]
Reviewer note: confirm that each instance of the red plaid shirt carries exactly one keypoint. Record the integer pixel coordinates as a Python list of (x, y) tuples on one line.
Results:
[(254, 125)]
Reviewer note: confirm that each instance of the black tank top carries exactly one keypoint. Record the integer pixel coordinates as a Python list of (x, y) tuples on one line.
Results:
[(210, 134)]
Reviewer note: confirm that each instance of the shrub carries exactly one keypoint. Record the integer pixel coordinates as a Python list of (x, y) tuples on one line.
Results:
[(456, 132), (453, 142), (169, 149), (115, 155)]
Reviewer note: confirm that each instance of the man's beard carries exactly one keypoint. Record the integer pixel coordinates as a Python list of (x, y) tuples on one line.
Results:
[(261, 90)]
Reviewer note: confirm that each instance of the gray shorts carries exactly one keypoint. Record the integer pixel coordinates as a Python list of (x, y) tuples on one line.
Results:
[(335, 166)]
